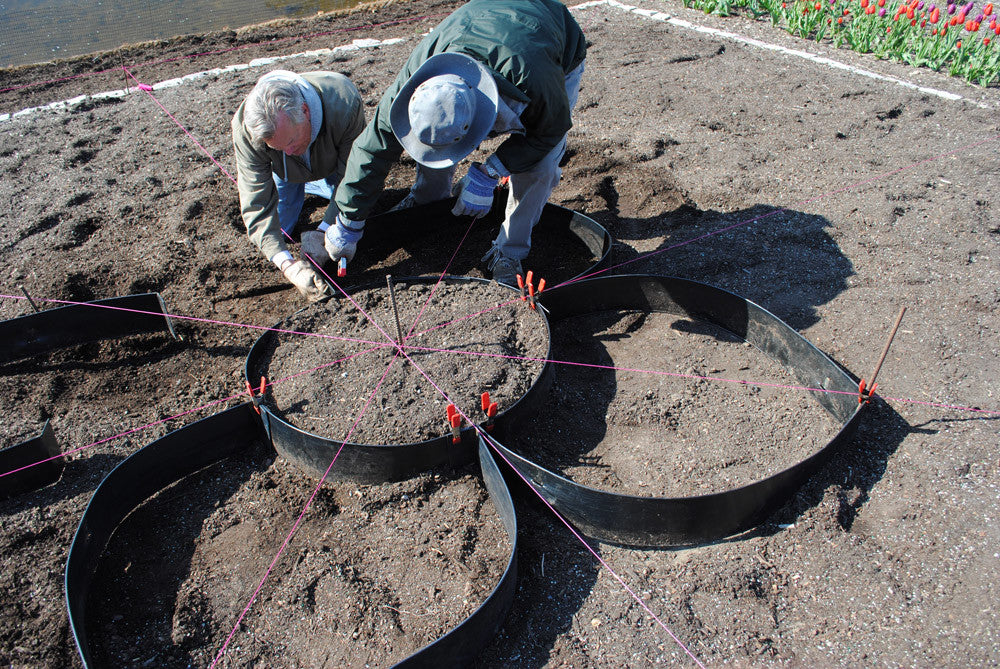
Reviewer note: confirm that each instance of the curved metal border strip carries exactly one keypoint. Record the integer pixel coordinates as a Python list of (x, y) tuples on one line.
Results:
[(460, 646), (75, 324), (368, 463), (672, 521), (42, 449), (191, 448), (592, 234), (137, 478)]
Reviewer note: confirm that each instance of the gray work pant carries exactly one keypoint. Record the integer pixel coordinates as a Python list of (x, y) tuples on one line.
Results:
[(529, 191)]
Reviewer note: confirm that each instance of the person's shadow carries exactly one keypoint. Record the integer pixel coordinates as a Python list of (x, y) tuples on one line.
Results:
[(782, 259), (427, 240)]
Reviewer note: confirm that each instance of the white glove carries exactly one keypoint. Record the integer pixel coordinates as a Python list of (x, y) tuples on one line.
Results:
[(475, 193), (342, 239), (313, 246), (307, 280)]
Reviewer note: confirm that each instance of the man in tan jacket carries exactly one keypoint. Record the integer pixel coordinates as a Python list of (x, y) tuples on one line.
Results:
[(292, 136)]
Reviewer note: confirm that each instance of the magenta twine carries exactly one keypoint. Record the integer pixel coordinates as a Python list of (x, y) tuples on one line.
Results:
[(298, 521), (551, 508), (189, 411), (457, 320), (219, 51), (586, 545), (440, 279), (837, 191), (122, 434), (742, 382), (149, 91), (197, 319)]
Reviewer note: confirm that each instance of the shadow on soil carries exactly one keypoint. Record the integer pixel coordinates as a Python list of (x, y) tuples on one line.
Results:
[(782, 259)]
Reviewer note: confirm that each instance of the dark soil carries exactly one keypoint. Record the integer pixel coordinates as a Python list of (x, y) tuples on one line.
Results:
[(321, 383), (830, 198), (163, 598), (667, 416)]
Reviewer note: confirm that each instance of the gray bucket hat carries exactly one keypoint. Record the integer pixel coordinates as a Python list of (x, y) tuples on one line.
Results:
[(445, 109)]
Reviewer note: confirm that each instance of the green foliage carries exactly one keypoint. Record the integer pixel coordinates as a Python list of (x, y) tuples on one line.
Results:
[(965, 43)]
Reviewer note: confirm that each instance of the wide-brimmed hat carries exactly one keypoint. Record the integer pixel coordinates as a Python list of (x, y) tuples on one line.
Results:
[(445, 109)]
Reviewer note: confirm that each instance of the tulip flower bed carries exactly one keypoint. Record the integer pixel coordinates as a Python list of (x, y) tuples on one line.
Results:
[(959, 39)]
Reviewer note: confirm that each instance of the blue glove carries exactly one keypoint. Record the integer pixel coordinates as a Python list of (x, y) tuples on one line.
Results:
[(342, 239), (475, 197)]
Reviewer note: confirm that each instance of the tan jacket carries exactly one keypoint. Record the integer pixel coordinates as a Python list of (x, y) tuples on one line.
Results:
[(343, 121)]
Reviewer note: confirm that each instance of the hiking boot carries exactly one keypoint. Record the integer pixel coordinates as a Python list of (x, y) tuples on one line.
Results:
[(407, 202), (505, 269)]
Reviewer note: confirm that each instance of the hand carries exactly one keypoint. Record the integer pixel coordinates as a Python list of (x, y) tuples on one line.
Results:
[(313, 246), (307, 280), (342, 239), (475, 196)]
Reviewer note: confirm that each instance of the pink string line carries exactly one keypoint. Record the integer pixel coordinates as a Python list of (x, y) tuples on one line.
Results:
[(858, 184), (196, 319), (221, 51), (298, 521), (121, 434), (185, 413), (489, 439), (447, 266), (742, 382), (149, 91), (557, 514), (462, 318)]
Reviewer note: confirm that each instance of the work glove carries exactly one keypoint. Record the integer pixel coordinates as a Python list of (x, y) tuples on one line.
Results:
[(307, 280), (313, 246), (475, 193), (342, 239)]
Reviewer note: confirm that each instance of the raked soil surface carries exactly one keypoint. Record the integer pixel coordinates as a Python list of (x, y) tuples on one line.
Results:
[(832, 197)]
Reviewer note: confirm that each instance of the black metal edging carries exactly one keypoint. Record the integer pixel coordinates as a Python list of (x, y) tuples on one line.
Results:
[(434, 216), (16, 474), (460, 646), (594, 235), (137, 478), (674, 521), (48, 330), (191, 448), (75, 324), (369, 463)]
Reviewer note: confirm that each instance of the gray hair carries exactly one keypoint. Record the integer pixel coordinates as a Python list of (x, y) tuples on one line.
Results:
[(268, 98)]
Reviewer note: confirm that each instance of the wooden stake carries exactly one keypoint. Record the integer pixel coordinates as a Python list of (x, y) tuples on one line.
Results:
[(888, 343)]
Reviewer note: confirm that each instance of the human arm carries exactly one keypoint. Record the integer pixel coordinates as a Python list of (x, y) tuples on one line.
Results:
[(371, 157)]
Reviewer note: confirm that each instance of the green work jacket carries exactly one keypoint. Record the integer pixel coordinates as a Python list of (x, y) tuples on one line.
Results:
[(343, 121), (530, 45)]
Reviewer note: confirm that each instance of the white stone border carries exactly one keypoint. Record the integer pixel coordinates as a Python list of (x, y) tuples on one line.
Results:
[(356, 45), (615, 4), (749, 41)]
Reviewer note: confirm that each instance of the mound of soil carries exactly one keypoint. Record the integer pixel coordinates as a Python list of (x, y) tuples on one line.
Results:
[(376, 573), (686, 426), (463, 338)]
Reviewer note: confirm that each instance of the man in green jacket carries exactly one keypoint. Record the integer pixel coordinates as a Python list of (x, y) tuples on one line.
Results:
[(292, 135), (493, 67)]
